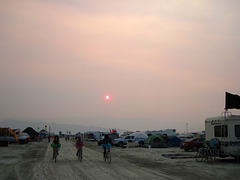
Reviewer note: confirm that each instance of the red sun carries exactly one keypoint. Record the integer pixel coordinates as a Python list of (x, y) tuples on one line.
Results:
[(107, 97)]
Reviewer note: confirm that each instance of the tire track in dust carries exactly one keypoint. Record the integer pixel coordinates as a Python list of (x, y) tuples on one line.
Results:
[(119, 168)]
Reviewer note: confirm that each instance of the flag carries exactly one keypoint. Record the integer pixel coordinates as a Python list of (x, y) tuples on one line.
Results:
[(232, 101)]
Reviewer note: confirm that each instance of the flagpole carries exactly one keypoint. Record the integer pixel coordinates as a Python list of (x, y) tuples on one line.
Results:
[(49, 134)]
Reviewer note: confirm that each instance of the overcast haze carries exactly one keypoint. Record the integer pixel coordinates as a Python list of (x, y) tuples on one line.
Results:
[(163, 63)]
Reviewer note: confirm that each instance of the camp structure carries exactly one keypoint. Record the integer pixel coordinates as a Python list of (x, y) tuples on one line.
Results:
[(226, 129), (8, 135), (31, 132), (79, 134), (4, 136), (43, 133), (174, 142), (93, 135), (155, 141)]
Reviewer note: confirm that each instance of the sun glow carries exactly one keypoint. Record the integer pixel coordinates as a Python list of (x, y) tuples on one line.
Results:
[(107, 97)]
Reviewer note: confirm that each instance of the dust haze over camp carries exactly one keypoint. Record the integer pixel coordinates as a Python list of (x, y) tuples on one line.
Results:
[(163, 63)]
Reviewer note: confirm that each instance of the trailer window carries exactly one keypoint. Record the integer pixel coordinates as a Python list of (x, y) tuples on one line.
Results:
[(221, 131), (237, 130)]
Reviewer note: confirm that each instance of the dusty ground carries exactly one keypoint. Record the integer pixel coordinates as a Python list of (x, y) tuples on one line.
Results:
[(34, 161)]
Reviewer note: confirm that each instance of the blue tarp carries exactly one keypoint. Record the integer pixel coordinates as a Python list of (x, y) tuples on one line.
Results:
[(43, 134)]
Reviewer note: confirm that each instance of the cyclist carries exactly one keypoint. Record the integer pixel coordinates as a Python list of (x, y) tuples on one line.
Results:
[(79, 144), (106, 144), (214, 143), (56, 143)]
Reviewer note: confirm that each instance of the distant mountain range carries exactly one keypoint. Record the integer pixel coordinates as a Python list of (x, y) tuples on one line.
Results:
[(54, 127)]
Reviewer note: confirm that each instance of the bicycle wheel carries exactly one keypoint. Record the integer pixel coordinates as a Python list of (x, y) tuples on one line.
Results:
[(199, 156), (104, 158), (210, 157), (109, 159), (80, 155), (55, 156)]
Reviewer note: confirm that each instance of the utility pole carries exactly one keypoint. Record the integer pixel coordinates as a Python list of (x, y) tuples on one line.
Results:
[(49, 134), (186, 128)]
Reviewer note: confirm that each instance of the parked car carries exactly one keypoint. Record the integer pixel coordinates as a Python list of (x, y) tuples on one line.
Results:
[(192, 144), (139, 137)]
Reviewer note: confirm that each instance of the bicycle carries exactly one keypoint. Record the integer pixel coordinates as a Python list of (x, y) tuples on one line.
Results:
[(55, 153), (107, 157), (80, 154), (205, 154)]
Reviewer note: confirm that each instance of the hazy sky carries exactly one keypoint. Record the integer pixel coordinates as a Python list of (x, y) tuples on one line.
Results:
[(164, 63)]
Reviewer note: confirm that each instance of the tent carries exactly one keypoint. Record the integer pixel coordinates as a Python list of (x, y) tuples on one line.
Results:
[(155, 141), (78, 134), (31, 132), (174, 142)]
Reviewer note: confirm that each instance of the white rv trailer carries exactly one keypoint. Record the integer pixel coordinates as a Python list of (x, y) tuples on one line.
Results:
[(226, 129), (93, 135)]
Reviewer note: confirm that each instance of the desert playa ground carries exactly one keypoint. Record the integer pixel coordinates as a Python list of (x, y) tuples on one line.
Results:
[(33, 161)]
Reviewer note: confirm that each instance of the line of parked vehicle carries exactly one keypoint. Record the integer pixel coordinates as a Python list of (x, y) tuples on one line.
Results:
[(140, 138)]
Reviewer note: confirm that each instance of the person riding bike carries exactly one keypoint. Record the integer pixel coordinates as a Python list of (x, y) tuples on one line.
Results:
[(55, 143), (79, 144), (214, 143), (106, 145)]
